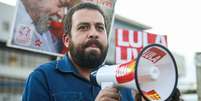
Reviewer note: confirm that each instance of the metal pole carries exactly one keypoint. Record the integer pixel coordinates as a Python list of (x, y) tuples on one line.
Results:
[(198, 72)]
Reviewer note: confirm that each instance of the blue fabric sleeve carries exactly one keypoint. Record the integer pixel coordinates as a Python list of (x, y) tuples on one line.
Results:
[(131, 97), (36, 88)]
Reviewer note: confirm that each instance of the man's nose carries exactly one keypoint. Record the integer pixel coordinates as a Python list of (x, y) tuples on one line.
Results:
[(93, 33)]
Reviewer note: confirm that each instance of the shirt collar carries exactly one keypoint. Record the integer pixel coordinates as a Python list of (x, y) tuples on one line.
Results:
[(65, 65)]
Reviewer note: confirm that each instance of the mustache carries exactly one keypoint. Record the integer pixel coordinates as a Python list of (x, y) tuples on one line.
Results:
[(93, 41)]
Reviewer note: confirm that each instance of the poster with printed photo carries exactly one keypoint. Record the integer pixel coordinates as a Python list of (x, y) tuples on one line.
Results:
[(38, 25)]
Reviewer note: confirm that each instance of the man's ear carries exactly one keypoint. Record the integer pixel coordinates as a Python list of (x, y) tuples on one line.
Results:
[(66, 40)]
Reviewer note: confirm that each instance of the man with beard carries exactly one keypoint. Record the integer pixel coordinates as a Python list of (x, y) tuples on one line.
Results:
[(34, 20), (68, 79)]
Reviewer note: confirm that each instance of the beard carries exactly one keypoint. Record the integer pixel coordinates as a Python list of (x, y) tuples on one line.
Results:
[(43, 23), (88, 59)]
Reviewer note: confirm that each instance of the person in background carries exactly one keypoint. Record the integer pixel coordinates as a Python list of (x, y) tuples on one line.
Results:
[(68, 79), (39, 24)]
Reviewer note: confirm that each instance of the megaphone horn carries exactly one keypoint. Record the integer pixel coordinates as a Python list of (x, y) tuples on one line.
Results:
[(154, 74)]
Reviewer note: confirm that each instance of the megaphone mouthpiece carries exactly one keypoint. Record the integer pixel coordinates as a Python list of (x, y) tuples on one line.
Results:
[(152, 73)]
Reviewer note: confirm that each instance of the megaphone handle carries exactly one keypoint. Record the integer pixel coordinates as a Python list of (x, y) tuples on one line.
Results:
[(106, 84)]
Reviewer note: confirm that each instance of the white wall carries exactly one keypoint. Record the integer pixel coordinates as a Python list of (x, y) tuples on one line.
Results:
[(6, 18)]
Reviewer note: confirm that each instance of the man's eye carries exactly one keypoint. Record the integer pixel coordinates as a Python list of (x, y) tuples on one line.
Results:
[(100, 28), (83, 28)]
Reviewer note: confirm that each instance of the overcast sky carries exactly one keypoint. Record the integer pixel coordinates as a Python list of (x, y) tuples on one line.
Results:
[(180, 20)]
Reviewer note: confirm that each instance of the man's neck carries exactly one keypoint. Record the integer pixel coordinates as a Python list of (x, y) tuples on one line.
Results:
[(84, 72)]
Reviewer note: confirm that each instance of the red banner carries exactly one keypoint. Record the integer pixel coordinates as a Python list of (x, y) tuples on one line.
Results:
[(129, 43)]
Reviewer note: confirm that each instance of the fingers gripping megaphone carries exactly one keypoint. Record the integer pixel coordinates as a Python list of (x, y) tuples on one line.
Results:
[(154, 74)]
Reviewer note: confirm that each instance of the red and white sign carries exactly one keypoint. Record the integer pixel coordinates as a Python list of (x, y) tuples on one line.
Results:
[(129, 43), (154, 54), (125, 72)]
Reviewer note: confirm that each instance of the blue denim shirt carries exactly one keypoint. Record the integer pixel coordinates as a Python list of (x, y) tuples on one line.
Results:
[(60, 81)]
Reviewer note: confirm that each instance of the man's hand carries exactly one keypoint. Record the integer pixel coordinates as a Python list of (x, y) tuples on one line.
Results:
[(108, 94)]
